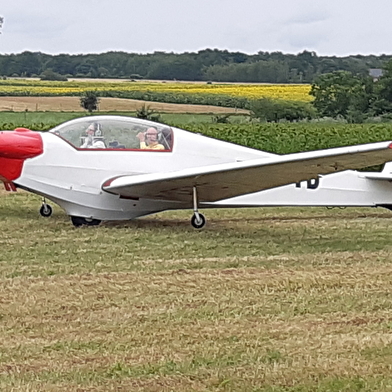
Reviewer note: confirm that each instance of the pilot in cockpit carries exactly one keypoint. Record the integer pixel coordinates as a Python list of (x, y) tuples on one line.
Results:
[(149, 140), (94, 137)]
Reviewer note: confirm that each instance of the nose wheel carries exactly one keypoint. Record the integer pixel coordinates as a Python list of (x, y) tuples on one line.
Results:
[(198, 220), (45, 210)]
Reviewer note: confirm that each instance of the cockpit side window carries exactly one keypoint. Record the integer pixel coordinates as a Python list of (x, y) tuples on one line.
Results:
[(109, 134)]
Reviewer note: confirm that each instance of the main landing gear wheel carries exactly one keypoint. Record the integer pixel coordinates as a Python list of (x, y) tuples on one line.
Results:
[(46, 210), (78, 221), (198, 221)]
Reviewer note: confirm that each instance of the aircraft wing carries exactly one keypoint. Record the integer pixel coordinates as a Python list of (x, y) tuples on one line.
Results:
[(217, 182)]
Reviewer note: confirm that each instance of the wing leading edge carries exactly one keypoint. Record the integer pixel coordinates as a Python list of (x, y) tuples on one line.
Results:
[(223, 181)]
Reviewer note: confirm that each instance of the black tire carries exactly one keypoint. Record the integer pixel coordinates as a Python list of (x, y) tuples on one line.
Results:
[(78, 221), (92, 222), (46, 210), (198, 223), (387, 206)]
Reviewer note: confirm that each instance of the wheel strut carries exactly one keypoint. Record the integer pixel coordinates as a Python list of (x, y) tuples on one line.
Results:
[(197, 221)]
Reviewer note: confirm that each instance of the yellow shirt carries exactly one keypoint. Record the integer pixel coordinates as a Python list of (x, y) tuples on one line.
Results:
[(154, 146)]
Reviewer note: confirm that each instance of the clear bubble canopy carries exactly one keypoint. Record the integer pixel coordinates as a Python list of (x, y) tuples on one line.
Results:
[(115, 132)]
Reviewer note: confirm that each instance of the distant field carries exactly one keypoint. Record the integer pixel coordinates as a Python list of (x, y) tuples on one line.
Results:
[(72, 104), (269, 299), (225, 94)]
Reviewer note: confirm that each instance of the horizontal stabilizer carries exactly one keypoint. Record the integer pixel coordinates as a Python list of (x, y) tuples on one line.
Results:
[(378, 176)]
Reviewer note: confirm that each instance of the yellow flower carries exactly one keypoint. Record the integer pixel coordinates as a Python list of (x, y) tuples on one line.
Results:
[(295, 92)]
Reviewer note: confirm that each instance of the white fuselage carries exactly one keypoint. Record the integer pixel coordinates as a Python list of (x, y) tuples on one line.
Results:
[(73, 179), (72, 176)]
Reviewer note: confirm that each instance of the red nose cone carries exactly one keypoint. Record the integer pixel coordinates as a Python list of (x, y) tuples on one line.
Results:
[(15, 147), (20, 144)]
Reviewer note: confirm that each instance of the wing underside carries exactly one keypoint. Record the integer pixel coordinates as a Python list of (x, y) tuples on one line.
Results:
[(223, 181)]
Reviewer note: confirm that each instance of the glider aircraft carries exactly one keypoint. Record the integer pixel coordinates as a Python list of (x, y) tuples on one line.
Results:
[(101, 168)]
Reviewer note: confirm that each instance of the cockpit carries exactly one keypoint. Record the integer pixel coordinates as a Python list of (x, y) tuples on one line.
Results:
[(116, 133)]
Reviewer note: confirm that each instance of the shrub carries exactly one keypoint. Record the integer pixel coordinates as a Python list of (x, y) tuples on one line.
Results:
[(276, 110), (51, 75), (89, 101), (147, 113), (221, 119)]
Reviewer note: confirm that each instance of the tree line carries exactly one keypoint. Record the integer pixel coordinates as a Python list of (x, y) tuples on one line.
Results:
[(353, 97), (339, 95), (205, 65)]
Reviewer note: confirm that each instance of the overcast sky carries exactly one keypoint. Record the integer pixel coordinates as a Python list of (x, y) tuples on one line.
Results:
[(328, 27)]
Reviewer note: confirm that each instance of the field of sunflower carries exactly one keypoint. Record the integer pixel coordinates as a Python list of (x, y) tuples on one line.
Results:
[(229, 95)]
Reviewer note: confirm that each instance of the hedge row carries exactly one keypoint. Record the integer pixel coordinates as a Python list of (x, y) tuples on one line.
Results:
[(185, 99), (296, 137)]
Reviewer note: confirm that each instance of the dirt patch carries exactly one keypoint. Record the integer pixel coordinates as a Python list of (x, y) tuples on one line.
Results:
[(72, 104)]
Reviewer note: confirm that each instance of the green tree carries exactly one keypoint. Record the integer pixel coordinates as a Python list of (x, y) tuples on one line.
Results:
[(275, 110), (259, 71), (208, 64), (341, 93), (49, 74), (383, 90), (89, 101)]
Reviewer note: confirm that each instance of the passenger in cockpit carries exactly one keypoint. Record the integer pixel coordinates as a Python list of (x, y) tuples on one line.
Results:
[(94, 137), (149, 140)]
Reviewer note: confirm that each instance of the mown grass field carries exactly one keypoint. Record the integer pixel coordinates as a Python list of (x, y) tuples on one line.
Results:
[(269, 299)]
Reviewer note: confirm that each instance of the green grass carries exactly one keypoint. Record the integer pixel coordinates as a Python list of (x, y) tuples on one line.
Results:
[(53, 118), (268, 299)]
